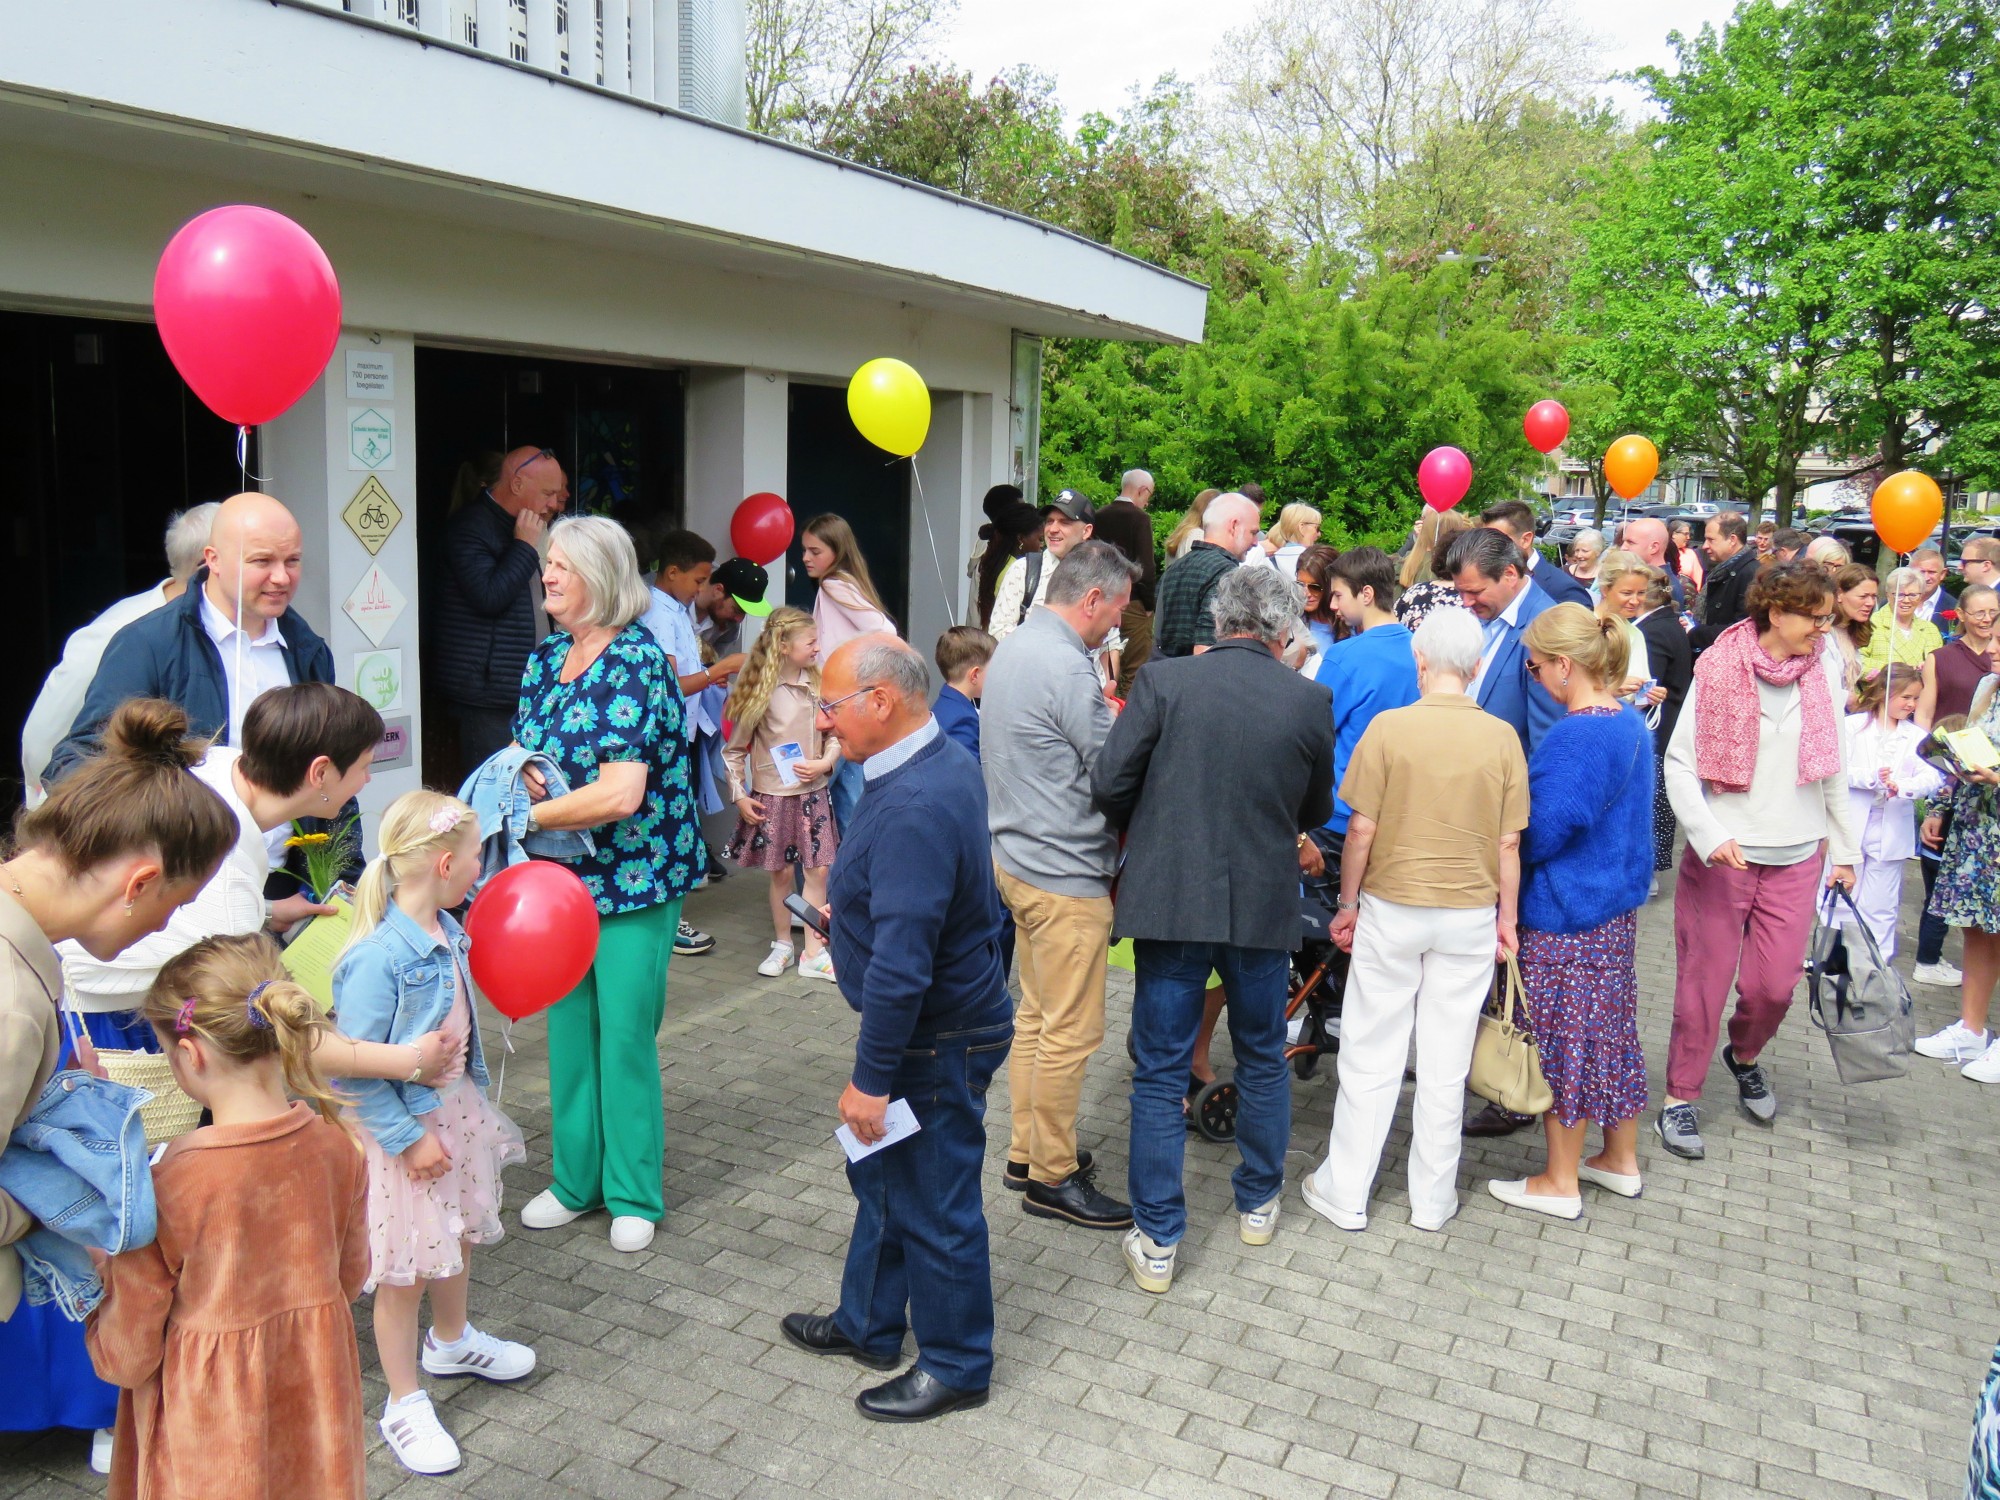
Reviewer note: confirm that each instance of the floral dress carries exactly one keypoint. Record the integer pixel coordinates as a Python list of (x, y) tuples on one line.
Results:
[(1966, 894), (625, 706)]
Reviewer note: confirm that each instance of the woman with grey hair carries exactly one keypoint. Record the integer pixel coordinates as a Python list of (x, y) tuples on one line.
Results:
[(1584, 550), (599, 698), (1828, 552), (1899, 635)]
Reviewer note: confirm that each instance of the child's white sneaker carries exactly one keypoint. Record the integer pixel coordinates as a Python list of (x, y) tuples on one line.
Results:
[(478, 1354), (100, 1451), (411, 1429), (816, 966), (776, 961)]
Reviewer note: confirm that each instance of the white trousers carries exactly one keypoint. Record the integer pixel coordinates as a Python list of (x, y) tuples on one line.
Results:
[(1417, 968), (1878, 896)]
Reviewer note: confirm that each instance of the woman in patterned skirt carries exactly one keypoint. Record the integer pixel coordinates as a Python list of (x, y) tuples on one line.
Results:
[(1587, 860)]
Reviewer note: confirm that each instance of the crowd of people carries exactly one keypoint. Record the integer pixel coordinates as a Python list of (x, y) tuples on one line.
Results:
[(1486, 759)]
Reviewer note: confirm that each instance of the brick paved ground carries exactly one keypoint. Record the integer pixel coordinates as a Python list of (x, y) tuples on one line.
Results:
[(1807, 1313)]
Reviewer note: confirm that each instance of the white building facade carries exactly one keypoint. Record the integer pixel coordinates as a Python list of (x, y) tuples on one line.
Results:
[(526, 258)]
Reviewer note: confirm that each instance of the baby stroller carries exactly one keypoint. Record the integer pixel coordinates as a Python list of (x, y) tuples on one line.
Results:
[(1312, 1015)]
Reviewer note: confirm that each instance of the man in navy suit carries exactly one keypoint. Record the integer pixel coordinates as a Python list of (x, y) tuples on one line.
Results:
[(1517, 519), (1485, 567)]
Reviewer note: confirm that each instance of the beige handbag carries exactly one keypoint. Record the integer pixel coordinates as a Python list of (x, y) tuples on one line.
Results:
[(171, 1111), (1505, 1065)]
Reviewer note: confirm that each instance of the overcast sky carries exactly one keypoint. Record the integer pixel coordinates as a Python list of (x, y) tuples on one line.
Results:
[(1098, 49)]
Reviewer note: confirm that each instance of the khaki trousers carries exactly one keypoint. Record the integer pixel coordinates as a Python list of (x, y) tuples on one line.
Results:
[(1060, 945), (1136, 625)]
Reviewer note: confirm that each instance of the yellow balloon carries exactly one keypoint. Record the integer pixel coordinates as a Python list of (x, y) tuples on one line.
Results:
[(890, 406)]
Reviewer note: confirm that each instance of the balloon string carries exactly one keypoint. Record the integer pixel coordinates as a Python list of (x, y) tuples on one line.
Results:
[(924, 510), (506, 1041), (243, 459)]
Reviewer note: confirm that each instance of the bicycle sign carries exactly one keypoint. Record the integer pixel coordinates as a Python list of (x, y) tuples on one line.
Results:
[(371, 439), (372, 515)]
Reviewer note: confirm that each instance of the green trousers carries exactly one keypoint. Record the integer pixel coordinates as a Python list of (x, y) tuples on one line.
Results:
[(604, 1070)]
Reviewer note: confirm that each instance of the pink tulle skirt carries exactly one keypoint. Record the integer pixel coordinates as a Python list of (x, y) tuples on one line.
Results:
[(416, 1229)]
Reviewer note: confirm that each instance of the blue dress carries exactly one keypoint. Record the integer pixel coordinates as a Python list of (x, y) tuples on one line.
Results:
[(625, 706)]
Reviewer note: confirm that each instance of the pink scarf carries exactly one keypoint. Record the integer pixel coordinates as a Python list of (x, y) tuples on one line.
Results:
[(1726, 711)]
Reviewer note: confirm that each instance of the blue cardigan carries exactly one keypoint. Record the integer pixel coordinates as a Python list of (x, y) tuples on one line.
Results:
[(1588, 853)]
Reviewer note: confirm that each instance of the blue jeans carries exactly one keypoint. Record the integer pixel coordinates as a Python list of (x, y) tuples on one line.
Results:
[(1170, 980), (848, 783), (918, 1259)]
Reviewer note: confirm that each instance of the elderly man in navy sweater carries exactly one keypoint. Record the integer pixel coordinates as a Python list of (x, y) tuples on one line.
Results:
[(916, 943)]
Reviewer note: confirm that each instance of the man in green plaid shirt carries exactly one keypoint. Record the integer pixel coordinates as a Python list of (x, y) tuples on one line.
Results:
[(1181, 620)]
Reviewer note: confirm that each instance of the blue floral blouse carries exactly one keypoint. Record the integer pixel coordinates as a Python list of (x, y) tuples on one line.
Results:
[(625, 706)]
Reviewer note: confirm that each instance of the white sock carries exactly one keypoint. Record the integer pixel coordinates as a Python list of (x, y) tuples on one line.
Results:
[(454, 1345), (389, 1407)]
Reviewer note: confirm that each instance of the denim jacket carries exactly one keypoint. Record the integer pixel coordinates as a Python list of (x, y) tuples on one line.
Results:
[(498, 795), (78, 1163), (393, 986)]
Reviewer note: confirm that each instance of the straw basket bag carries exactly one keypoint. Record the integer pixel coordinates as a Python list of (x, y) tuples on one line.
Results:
[(171, 1111)]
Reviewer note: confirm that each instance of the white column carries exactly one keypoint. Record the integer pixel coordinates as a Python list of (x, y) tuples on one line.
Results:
[(666, 33), (493, 29), (434, 18), (310, 457), (542, 49), (615, 56), (941, 524), (737, 425), (642, 49)]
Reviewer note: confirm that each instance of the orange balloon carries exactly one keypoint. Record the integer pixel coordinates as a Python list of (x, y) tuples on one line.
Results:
[(1906, 509), (1630, 464)]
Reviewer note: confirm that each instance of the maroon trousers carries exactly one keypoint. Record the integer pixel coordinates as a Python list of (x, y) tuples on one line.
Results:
[(1750, 926)]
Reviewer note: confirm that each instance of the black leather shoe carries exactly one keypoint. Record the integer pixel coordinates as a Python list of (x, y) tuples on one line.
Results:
[(817, 1335), (1078, 1201), (1493, 1120), (1016, 1180), (915, 1396)]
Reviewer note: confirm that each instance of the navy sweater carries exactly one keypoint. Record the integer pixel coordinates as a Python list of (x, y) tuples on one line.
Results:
[(1588, 853), (916, 918)]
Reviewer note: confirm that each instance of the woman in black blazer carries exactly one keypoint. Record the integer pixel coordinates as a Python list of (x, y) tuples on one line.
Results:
[(1672, 661)]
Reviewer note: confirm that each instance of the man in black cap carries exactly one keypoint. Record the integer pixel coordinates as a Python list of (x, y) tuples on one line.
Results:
[(1066, 520), (734, 589)]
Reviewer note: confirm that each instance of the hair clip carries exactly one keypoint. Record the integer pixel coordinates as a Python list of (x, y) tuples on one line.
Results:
[(184, 1022), (446, 818), (258, 1020)]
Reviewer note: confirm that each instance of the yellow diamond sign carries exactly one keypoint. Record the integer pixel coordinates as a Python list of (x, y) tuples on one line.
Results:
[(371, 515)]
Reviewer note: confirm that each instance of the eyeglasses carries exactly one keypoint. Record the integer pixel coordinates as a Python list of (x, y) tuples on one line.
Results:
[(828, 708), (533, 458), (1535, 669), (1820, 622)]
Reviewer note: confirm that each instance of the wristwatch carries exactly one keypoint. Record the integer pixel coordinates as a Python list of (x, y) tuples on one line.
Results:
[(534, 822), (1354, 905)]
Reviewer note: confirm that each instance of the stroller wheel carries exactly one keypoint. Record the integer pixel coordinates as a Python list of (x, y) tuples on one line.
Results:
[(1214, 1110), (1305, 1064)]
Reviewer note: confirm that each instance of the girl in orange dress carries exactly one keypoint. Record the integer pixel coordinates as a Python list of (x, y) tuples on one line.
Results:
[(232, 1334)]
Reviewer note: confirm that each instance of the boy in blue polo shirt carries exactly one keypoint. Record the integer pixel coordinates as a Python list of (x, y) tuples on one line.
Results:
[(1373, 669)]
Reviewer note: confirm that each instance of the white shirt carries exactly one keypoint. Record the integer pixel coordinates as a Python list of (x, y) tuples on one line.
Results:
[(61, 698), (264, 666), (230, 905), (1496, 631), (882, 762)]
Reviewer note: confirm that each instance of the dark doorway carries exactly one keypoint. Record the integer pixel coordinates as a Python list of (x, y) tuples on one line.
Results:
[(832, 467), (104, 441), (619, 432)]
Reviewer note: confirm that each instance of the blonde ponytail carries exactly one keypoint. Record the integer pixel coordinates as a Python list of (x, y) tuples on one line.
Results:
[(418, 827), (233, 993)]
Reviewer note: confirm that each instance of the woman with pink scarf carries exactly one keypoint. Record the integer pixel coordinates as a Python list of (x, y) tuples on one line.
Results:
[(1755, 772)]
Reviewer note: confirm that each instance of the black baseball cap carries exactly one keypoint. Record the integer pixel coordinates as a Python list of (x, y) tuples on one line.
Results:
[(1071, 504), (745, 582)]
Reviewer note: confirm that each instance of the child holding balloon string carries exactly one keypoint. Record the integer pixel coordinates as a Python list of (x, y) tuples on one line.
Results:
[(434, 1153)]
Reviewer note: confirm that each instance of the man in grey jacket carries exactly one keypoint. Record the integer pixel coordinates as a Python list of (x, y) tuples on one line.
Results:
[(1044, 719)]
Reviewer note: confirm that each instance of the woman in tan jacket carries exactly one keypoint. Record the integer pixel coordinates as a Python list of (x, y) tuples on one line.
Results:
[(779, 765)]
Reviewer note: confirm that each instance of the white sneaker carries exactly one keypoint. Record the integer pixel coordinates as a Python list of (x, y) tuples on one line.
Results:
[(1515, 1194), (546, 1211), (1984, 1068), (1957, 1043), (411, 1429), (1152, 1265), (817, 966), (1945, 976), (100, 1451), (630, 1233), (776, 961), (1260, 1224), (1322, 1205), (478, 1354)]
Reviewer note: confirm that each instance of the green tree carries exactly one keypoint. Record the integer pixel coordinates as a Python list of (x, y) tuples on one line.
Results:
[(810, 63)]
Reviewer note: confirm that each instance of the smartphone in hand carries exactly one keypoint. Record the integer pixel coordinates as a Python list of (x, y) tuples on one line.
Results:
[(807, 913)]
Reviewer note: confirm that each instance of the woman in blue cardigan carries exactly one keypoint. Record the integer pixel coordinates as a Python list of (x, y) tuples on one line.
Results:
[(1588, 861)]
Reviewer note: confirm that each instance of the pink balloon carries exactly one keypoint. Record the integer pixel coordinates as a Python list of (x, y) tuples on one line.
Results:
[(1443, 477), (1546, 425), (249, 310)]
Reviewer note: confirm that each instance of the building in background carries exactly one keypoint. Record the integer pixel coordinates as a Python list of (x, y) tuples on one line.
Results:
[(538, 242)]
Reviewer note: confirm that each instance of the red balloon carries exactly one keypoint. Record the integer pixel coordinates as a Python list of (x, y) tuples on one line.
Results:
[(534, 932), (1546, 425), (761, 529), (249, 310), (1443, 477)]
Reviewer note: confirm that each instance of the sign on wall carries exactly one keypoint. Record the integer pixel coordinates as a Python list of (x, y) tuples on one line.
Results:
[(378, 677), (371, 438), (371, 375), (394, 753), (372, 514), (376, 604)]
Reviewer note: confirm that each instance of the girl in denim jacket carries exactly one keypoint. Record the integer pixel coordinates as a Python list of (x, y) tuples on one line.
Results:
[(434, 1154)]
